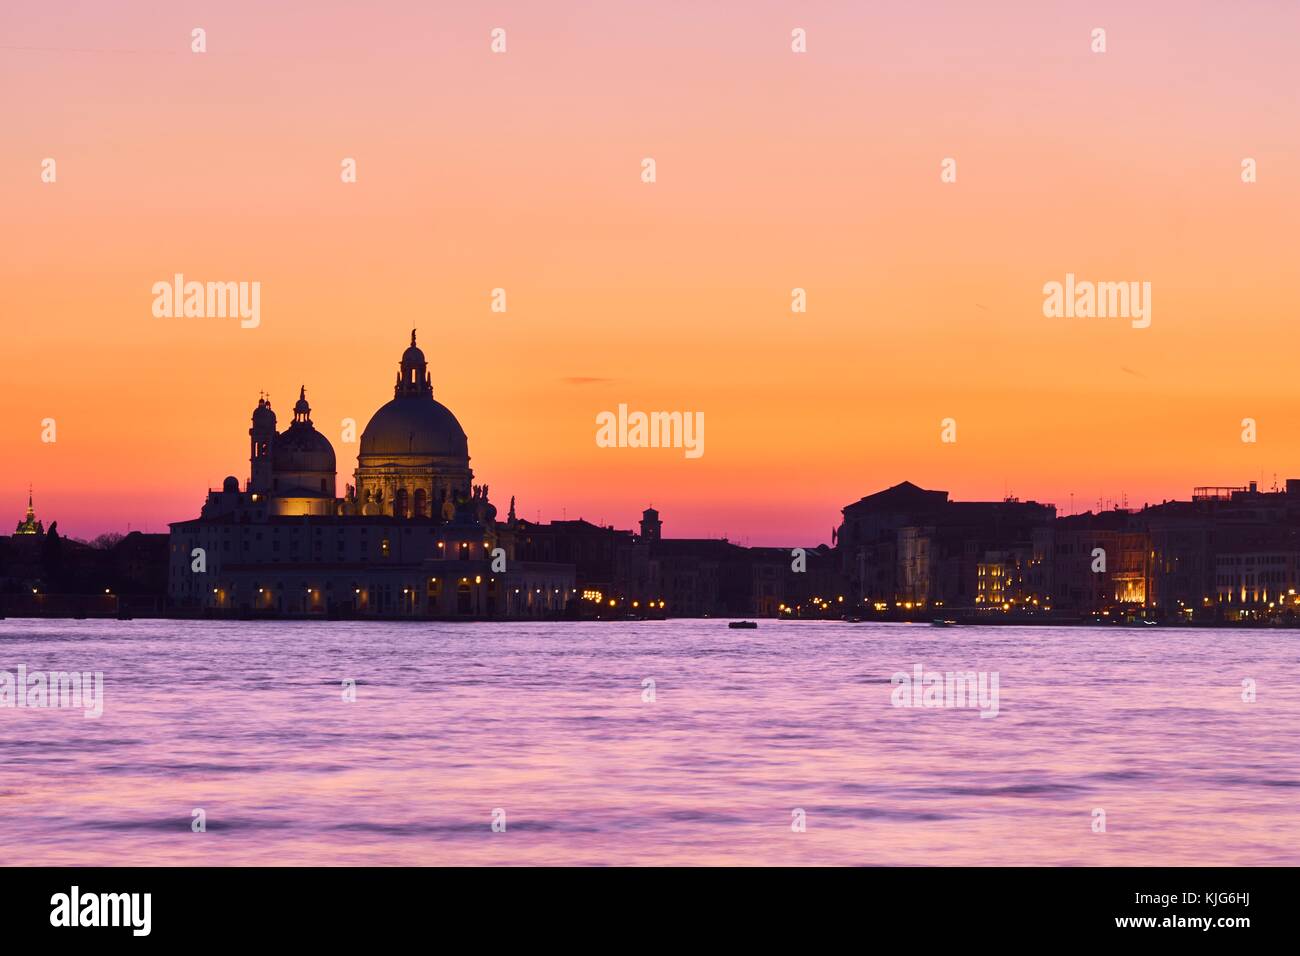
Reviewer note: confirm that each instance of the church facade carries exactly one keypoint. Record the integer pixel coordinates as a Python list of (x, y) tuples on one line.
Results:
[(414, 459), (412, 535)]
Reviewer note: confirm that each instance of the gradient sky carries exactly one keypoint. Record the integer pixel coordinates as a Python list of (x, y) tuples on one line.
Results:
[(775, 170)]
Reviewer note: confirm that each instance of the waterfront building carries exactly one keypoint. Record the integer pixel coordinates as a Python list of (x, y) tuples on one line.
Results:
[(1230, 553), (1125, 558), (911, 548), (413, 538), (1196, 544)]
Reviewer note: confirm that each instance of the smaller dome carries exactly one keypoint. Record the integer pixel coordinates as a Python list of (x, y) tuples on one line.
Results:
[(300, 447), (230, 484)]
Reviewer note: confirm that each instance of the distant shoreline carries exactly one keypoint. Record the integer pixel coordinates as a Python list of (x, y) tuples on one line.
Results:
[(761, 621)]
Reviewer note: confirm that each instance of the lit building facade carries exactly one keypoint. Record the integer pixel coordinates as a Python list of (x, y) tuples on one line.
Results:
[(414, 460), (911, 548), (414, 538)]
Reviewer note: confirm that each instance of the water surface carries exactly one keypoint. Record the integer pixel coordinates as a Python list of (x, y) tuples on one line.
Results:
[(549, 723)]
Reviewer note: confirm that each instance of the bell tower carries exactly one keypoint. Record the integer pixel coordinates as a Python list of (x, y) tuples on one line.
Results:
[(651, 526), (261, 446)]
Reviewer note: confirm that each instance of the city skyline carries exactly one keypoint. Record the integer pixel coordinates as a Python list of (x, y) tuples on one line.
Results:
[(87, 524)]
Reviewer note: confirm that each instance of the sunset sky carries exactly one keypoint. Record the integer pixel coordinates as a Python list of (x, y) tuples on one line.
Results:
[(775, 170)]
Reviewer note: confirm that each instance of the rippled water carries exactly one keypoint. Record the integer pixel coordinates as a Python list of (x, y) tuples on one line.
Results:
[(548, 723)]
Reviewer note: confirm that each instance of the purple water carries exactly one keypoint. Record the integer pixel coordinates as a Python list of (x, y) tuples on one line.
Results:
[(547, 722)]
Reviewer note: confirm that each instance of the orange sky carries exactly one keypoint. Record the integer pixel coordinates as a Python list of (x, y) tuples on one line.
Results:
[(775, 170)]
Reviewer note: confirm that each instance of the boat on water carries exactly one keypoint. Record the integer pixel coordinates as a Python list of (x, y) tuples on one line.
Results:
[(742, 625), (944, 622)]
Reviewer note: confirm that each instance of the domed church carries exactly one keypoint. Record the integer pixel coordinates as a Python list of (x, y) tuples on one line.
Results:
[(413, 538), (414, 460)]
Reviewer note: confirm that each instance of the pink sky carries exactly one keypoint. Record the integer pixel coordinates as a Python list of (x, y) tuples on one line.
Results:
[(775, 170)]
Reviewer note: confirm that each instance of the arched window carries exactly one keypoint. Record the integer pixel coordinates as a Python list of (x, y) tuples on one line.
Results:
[(399, 503)]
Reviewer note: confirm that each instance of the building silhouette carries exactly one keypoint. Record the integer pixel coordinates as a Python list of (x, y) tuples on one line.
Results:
[(413, 536), (1227, 555)]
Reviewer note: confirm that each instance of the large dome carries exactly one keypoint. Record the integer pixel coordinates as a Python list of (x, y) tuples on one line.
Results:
[(414, 458), (414, 425)]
